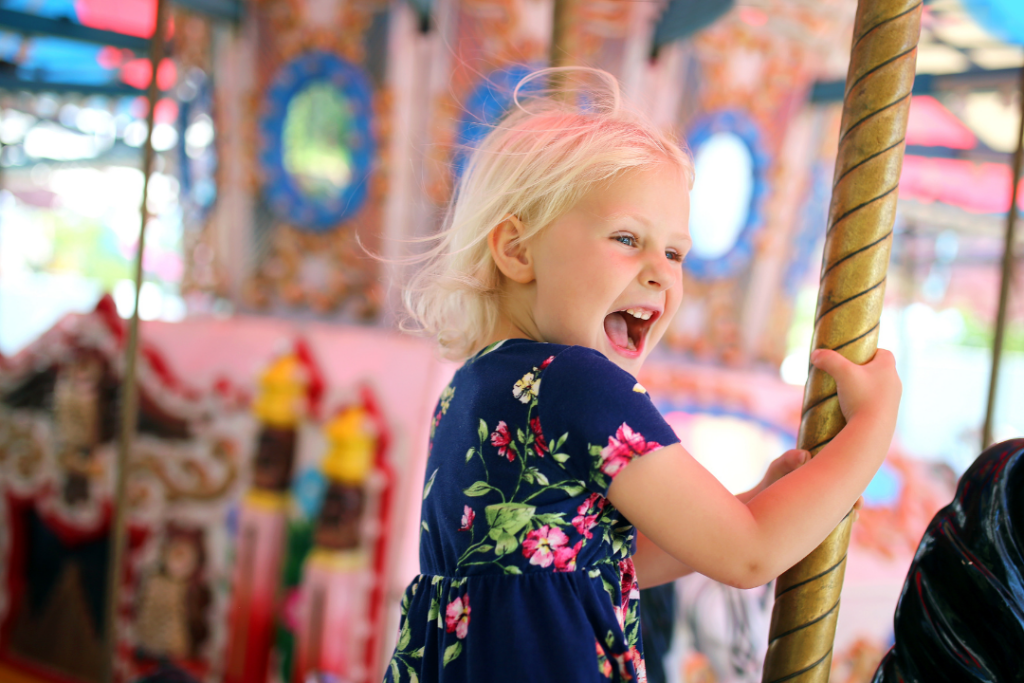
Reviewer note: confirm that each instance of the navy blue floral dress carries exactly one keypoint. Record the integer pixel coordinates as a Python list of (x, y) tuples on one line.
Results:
[(526, 566)]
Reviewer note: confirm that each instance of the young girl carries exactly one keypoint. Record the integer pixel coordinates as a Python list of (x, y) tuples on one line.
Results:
[(557, 274)]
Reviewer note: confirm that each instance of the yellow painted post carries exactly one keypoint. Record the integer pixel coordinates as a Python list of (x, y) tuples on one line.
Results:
[(853, 274)]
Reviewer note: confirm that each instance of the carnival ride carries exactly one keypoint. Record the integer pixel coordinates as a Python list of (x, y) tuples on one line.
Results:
[(976, 535)]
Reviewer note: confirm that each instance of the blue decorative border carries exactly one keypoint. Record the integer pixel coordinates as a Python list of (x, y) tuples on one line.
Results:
[(738, 123), (284, 197), (487, 104)]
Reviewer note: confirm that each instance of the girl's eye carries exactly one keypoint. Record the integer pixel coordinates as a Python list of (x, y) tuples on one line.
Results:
[(675, 256), (628, 240)]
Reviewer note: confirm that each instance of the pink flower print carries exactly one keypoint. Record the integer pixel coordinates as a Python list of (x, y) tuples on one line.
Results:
[(603, 663), (547, 362), (565, 557), (540, 545), (467, 518), (456, 616), (501, 438), (623, 447), (630, 588), (639, 664), (623, 660), (589, 510), (539, 445)]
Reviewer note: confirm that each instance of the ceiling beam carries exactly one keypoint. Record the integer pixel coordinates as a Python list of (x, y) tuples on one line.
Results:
[(930, 84), (34, 25)]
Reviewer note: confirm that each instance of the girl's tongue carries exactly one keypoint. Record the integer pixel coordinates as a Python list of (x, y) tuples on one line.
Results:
[(617, 329)]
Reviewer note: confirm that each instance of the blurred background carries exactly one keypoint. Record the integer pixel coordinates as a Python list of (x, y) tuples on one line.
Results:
[(274, 480)]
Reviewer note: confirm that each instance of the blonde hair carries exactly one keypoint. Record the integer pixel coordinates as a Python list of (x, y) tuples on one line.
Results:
[(536, 165)]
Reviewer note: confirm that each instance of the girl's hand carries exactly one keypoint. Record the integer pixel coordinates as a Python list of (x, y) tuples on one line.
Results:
[(780, 467), (872, 387)]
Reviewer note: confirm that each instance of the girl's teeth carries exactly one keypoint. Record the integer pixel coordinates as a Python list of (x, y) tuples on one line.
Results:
[(639, 313)]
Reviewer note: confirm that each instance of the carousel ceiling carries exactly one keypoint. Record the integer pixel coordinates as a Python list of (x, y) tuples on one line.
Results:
[(92, 47)]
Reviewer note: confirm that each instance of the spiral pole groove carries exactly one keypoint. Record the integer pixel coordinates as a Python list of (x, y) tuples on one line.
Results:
[(853, 274)]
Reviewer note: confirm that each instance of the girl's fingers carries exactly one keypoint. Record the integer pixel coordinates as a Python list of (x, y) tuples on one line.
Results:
[(831, 362)]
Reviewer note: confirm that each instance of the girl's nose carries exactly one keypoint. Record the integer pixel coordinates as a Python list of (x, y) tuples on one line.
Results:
[(659, 273)]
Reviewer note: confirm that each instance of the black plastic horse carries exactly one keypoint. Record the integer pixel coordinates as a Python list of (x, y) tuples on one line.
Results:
[(960, 617)]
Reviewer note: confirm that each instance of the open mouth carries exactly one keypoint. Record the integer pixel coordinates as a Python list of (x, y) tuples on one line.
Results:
[(627, 329)]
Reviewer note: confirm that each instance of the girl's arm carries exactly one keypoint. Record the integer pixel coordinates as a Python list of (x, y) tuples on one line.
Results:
[(684, 510), (654, 566)]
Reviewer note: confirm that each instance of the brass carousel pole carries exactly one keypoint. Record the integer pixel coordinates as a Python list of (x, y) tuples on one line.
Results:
[(1007, 278), (129, 396), (857, 246)]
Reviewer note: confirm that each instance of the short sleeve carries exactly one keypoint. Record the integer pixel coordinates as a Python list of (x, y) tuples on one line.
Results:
[(596, 417)]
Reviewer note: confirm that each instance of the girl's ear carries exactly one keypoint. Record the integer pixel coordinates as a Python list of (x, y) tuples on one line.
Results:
[(511, 255)]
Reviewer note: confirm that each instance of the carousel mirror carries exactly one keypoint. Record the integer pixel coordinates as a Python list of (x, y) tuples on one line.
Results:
[(315, 149), (318, 143), (720, 201), (725, 209)]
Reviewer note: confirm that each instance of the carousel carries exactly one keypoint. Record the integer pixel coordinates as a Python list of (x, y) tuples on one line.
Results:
[(213, 433)]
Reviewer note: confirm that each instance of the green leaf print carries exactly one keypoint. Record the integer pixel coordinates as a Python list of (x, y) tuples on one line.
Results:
[(512, 569), (506, 542), (539, 476), (509, 517), (430, 484), (557, 446), (425, 526), (550, 518), (417, 653), (413, 678), (435, 609), (404, 637), (482, 431), (469, 454), (478, 489), (394, 670), (452, 651), (573, 488), (560, 457)]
